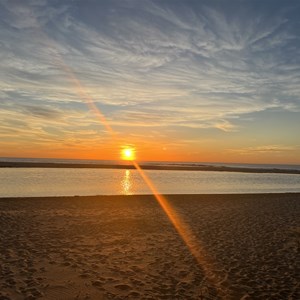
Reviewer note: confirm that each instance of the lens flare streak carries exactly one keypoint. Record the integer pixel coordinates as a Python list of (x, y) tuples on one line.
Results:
[(182, 227), (85, 96), (191, 241)]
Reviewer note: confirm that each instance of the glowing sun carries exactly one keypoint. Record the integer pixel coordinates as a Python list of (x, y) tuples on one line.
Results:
[(128, 154)]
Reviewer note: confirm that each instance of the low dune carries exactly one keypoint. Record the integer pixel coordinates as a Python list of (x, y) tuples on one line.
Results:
[(125, 247)]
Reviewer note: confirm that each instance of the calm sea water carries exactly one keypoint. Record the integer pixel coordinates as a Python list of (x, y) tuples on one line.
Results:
[(25, 182)]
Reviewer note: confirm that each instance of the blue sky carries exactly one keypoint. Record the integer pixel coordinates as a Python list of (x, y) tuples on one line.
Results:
[(188, 80)]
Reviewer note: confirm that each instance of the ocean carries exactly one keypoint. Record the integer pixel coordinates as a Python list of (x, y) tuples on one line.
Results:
[(37, 182)]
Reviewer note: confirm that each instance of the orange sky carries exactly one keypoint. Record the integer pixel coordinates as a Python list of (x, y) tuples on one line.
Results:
[(214, 86)]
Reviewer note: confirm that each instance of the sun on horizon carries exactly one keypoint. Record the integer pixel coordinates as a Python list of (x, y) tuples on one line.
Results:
[(128, 153)]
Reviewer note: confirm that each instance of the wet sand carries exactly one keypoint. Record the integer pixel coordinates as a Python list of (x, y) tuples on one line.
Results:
[(124, 247)]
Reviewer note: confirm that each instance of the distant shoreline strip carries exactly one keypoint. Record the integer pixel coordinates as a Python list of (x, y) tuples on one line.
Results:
[(147, 167), (177, 197)]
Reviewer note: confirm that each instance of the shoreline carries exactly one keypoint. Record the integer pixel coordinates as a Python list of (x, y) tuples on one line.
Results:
[(147, 167), (148, 196)]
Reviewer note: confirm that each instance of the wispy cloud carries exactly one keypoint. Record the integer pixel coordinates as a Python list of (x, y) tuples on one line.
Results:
[(191, 64), (267, 149)]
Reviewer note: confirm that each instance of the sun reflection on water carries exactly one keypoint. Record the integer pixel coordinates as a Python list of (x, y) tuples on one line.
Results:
[(127, 183)]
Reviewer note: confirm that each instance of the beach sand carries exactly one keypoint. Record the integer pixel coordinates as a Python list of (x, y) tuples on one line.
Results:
[(124, 247)]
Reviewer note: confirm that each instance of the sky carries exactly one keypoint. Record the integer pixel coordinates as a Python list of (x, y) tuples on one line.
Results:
[(177, 80)]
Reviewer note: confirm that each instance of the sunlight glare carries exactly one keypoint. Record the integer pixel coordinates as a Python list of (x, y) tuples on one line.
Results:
[(128, 153), (127, 183)]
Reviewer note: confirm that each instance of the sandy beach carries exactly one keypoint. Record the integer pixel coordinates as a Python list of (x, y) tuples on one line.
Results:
[(125, 247)]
